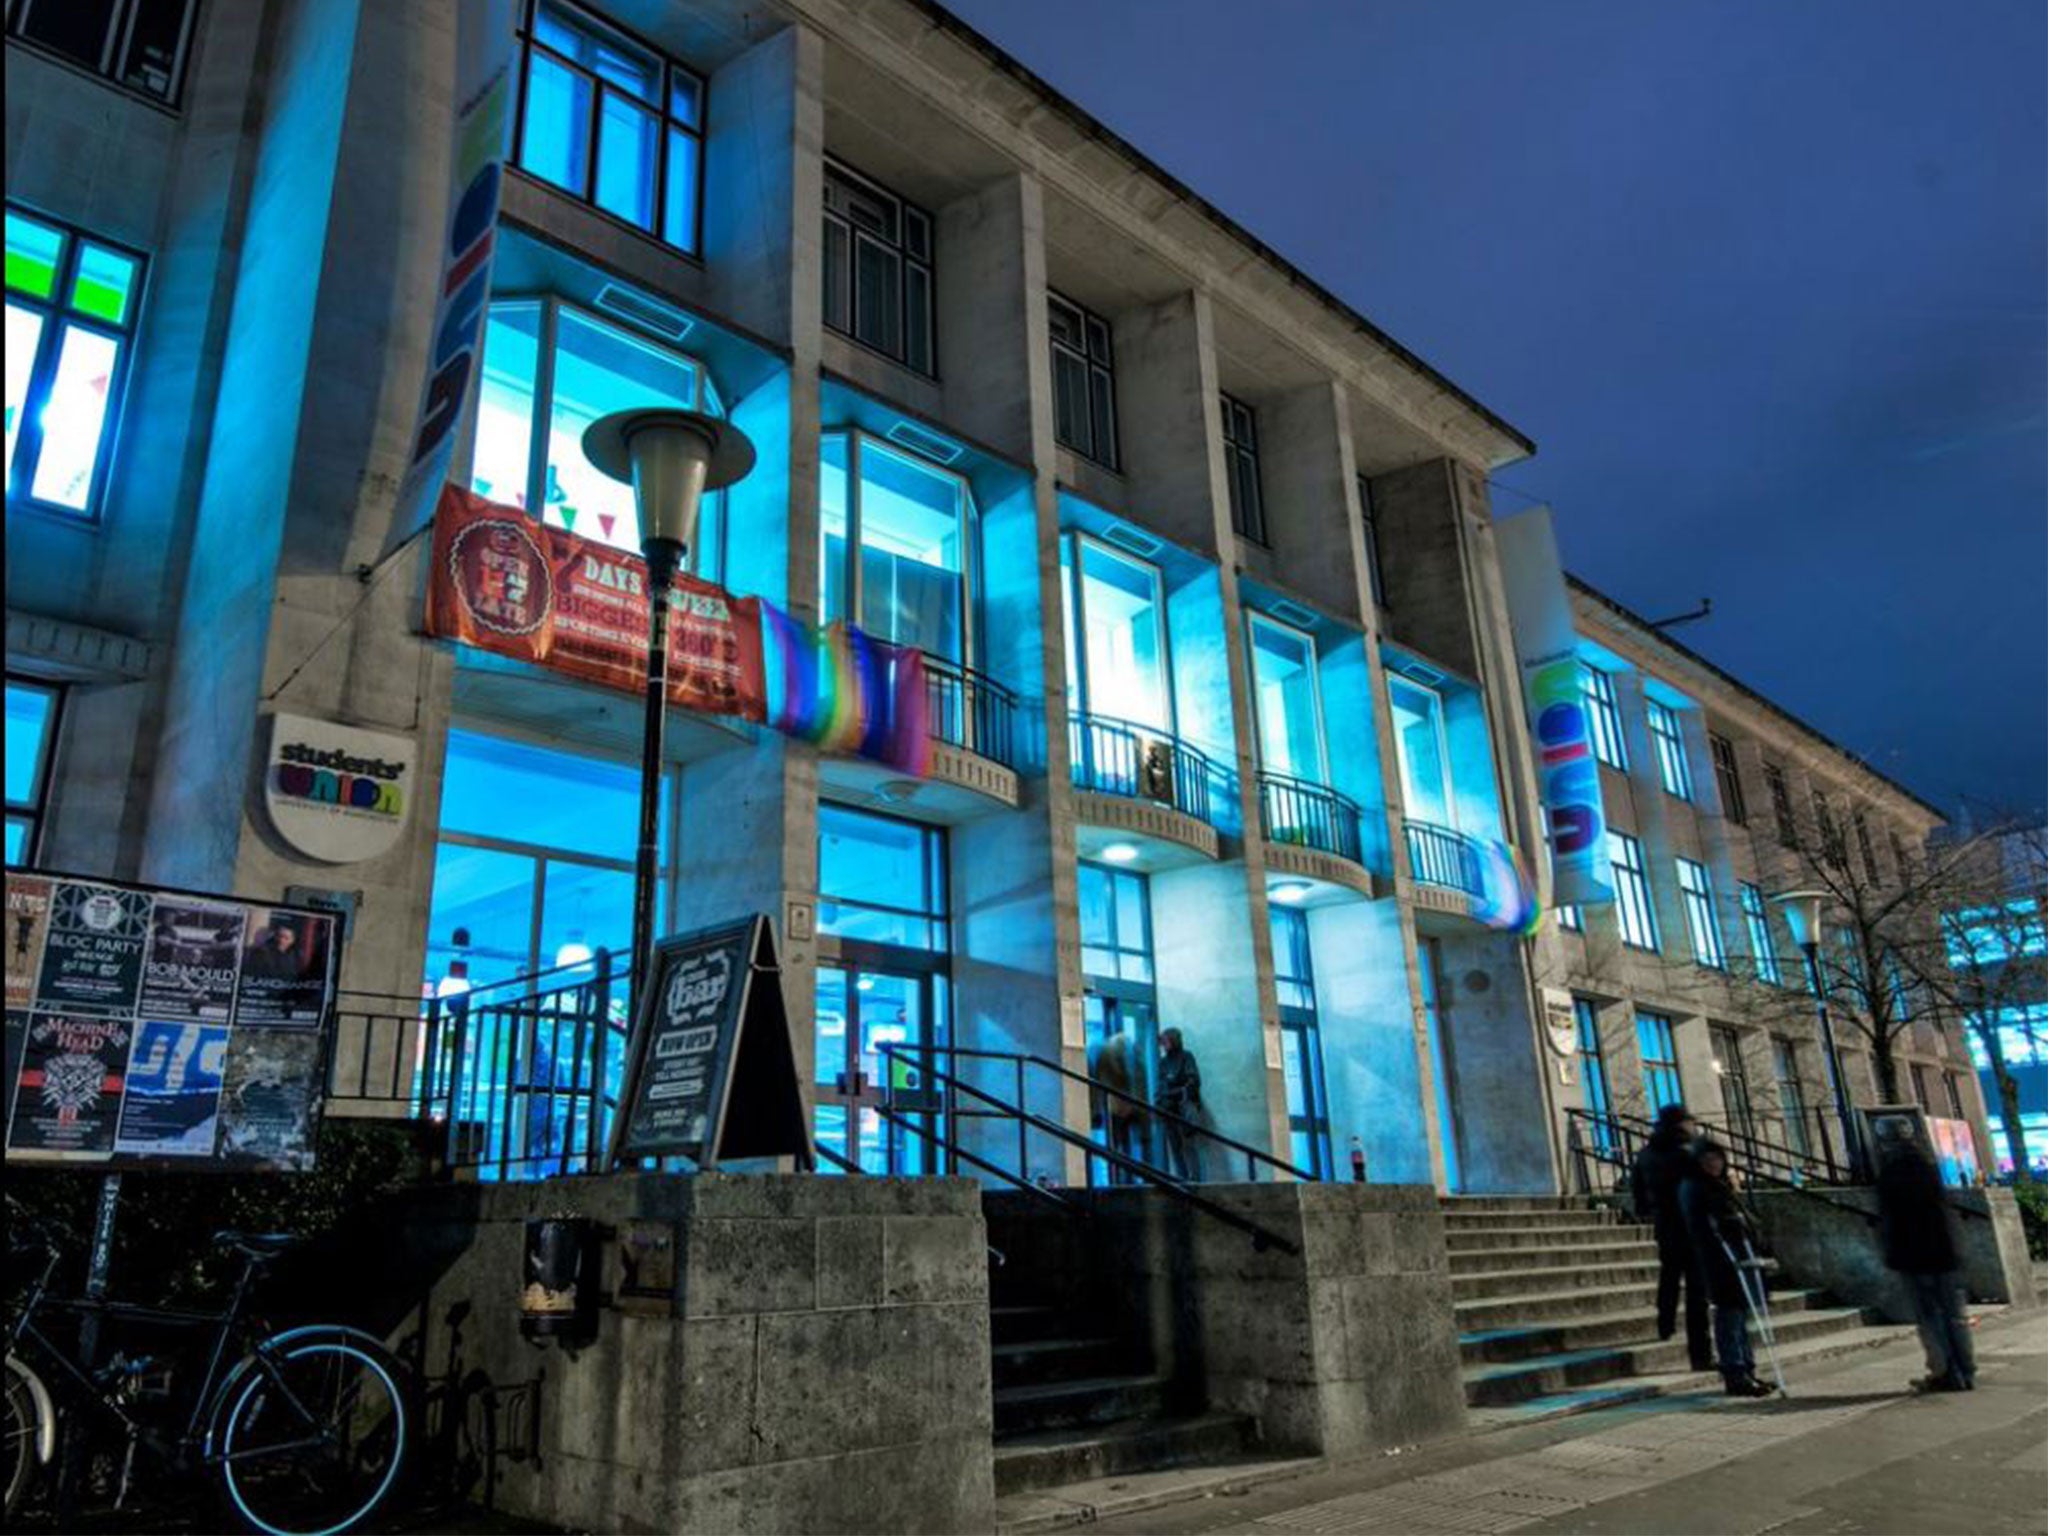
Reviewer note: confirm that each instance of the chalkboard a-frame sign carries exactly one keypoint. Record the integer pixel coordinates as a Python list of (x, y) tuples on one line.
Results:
[(711, 1072)]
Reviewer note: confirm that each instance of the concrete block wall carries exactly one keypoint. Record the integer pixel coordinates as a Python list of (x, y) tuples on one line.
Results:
[(824, 1365)]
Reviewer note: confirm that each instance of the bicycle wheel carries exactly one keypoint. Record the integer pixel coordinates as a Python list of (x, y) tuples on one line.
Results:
[(22, 1453), (312, 1433)]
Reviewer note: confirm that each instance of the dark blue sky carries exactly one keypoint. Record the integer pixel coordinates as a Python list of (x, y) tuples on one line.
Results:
[(1766, 281)]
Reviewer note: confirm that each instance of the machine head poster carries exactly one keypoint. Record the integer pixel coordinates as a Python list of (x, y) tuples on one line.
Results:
[(163, 1028)]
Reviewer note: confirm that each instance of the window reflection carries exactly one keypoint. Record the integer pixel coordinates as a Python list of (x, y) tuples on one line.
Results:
[(1290, 715), (1118, 667), (880, 880), (1419, 745)]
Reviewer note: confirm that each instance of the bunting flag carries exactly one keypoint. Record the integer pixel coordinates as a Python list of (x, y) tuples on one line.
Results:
[(1506, 899)]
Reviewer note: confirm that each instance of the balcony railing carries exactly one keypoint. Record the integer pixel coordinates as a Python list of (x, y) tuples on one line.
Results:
[(1308, 815), (1116, 757), (970, 710), (1439, 856)]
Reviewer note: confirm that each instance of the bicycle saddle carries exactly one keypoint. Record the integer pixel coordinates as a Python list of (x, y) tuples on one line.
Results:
[(257, 1245)]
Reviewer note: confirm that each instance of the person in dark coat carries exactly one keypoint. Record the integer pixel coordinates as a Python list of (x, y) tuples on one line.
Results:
[(1919, 1242), (1720, 1237), (1659, 1170), (1180, 1093)]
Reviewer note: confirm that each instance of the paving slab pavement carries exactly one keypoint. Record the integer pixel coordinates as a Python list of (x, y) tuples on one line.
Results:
[(1850, 1451)]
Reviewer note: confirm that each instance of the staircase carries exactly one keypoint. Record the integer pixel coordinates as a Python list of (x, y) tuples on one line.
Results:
[(1073, 1402), (1556, 1307)]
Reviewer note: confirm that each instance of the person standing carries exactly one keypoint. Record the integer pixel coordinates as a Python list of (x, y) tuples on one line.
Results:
[(1660, 1168), (1112, 1063), (1720, 1240), (1180, 1093), (1919, 1243)]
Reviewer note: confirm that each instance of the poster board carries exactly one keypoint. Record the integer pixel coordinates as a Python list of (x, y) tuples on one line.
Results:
[(711, 1069), (156, 1028)]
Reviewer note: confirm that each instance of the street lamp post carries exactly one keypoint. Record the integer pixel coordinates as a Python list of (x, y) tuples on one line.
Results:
[(1802, 916), (670, 458)]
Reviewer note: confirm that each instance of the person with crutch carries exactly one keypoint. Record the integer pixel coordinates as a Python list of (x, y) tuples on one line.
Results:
[(1660, 1168), (1919, 1242), (1720, 1237)]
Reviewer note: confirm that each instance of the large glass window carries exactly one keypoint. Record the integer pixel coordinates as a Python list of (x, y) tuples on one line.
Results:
[(138, 44), (1660, 1060), (550, 370), (1728, 779), (612, 122), (1667, 735), (1241, 468), (1733, 1070), (911, 523), (1301, 1045), (881, 880), (1696, 890), (1980, 936), (32, 710), (1603, 716), (518, 894), (1116, 635), (1632, 905), (1781, 805), (1593, 1072), (1420, 748), (878, 269), (1116, 924), (1083, 383), (1289, 709), (1791, 1093), (1756, 920), (71, 307)]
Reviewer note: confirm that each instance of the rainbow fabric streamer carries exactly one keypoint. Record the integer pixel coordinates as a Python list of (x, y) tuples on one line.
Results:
[(1507, 898), (845, 691)]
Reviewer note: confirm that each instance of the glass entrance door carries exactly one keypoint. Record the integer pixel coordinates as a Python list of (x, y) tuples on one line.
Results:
[(860, 1010), (1123, 1052)]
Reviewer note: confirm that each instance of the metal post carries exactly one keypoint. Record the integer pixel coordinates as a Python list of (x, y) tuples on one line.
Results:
[(1851, 1146), (601, 1025), (661, 567)]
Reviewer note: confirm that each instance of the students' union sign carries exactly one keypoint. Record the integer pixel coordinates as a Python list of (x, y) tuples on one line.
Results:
[(336, 793)]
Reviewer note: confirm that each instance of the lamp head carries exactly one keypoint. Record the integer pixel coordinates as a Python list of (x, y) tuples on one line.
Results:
[(671, 458), (1802, 915)]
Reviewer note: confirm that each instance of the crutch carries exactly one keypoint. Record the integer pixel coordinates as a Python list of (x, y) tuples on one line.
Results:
[(1749, 1271)]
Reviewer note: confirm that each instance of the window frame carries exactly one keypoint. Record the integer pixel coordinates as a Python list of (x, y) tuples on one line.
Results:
[(528, 42), (1791, 1088), (1241, 470), (1703, 927), (34, 812), (1603, 716), (1756, 921), (1727, 1045), (1074, 589), (1100, 373), (1440, 718), (120, 35), (1120, 985), (1598, 1089), (547, 346), (1780, 790), (1255, 621), (935, 856), (899, 247), (58, 318), (1667, 744), (853, 579), (1660, 1072), (1303, 1021), (1728, 778), (1632, 894)]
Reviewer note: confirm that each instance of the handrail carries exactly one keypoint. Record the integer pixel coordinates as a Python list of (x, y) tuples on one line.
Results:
[(1106, 756), (1262, 1237), (1441, 856), (969, 709), (1315, 815)]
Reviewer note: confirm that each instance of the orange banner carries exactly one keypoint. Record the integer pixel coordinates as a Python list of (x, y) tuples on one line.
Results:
[(506, 584)]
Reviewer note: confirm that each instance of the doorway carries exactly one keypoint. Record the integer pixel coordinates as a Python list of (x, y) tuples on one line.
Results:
[(861, 1008)]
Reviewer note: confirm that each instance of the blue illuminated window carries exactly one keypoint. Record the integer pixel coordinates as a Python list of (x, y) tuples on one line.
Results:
[(612, 122), (1286, 701), (1301, 1045), (1632, 905), (32, 710), (897, 535), (550, 370), (1667, 736), (1116, 924), (71, 307), (881, 880), (1660, 1060), (1603, 715), (1571, 918), (1116, 635), (1593, 1069), (1696, 891), (1756, 919), (1980, 936)]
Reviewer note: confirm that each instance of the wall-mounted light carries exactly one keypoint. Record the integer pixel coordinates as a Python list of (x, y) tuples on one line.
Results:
[(1120, 853), (1290, 893)]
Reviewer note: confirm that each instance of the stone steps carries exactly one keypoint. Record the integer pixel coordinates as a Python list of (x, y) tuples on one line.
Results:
[(1053, 1458), (1468, 1285), (1460, 1240), (1032, 1362), (1525, 1341), (1485, 1220), (1617, 1251), (1078, 1401), (1552, 1306), (1495, 1385)]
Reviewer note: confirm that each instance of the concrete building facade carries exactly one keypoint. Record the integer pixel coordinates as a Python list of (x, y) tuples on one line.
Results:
[(1224, 696)]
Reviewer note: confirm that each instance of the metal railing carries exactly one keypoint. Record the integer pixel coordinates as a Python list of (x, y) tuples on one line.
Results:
[(1613, 1139), (523, 1075), (928, 1096), (1139, 762), (971, 710), (1309, 815), (1439, 856)]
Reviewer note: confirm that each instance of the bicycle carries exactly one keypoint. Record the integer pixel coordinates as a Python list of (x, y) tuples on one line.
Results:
[(306, 1430)]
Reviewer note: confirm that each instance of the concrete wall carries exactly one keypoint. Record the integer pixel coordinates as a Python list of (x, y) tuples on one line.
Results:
[(824, 1365)]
